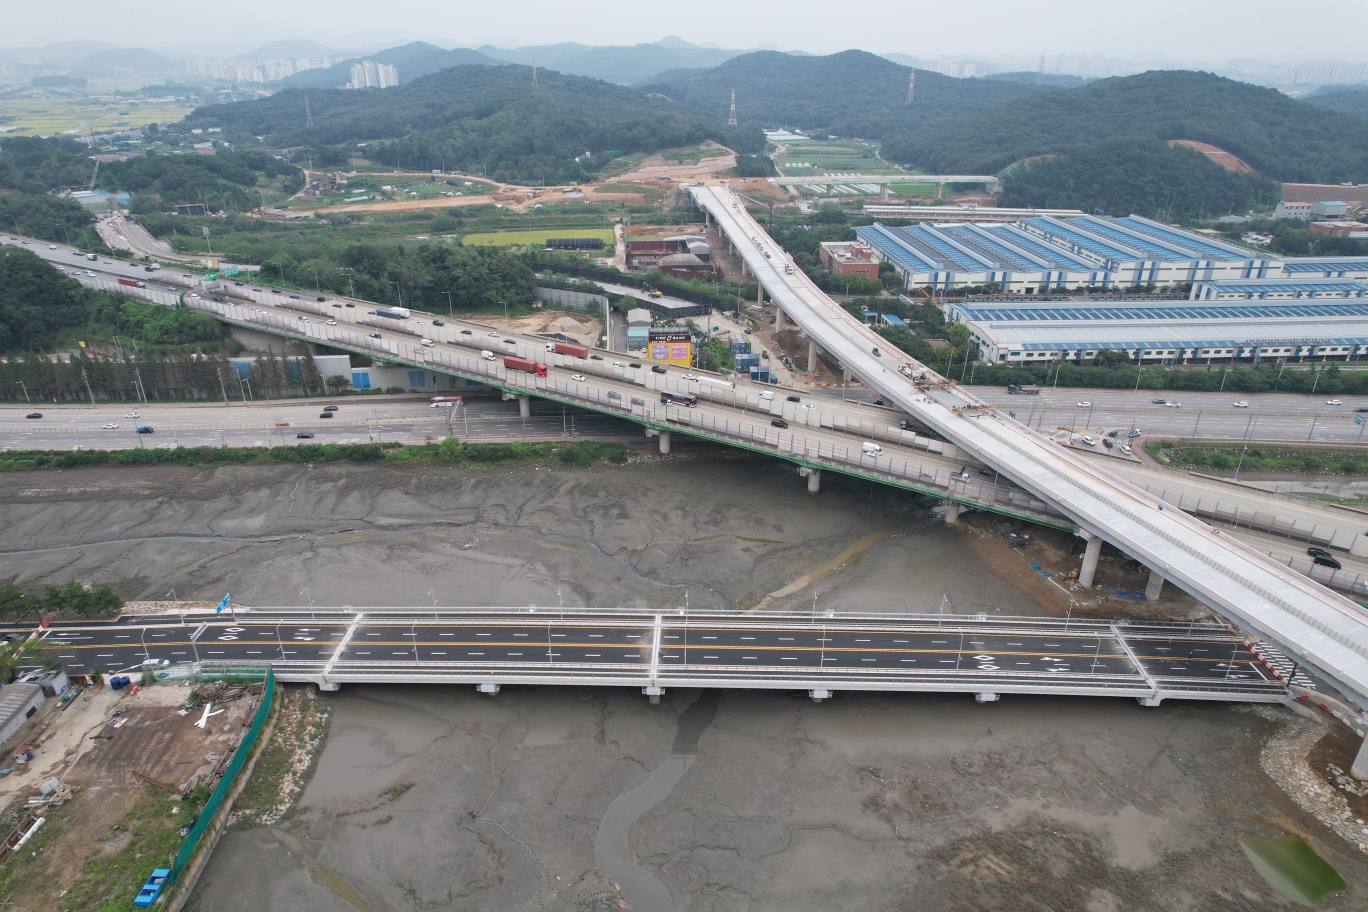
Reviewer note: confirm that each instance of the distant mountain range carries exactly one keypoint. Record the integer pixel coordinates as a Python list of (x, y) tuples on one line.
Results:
[(412, 61), (621, 64)]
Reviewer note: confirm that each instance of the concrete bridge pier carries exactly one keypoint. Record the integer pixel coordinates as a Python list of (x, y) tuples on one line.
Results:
[(664, 442), (812, 355), (653, 693), (817, 696), (524, 406), (778, 317), (813, 476), (1088, 571), (488, 687), (986, 696), (1359, 768), (952, 512), (1154, 586), (329, 686)]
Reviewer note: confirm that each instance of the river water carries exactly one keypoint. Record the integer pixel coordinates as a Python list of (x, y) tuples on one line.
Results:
[(642, 890)]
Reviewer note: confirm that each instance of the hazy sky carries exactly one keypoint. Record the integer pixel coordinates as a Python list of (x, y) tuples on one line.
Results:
[(1192, 30)]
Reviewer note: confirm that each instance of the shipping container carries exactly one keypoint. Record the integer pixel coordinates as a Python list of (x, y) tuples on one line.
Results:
[(513, 362)]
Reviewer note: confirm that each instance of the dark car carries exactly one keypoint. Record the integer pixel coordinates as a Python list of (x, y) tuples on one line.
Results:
[(1113, 433), (779, 423), (304, 435), (509, 342), (348, 305), (657, 369), (34, 415), (466, 332), (794, 399), (634, 364), (1362, 409), (145, 429), (294, 297), (439, 323), (1324, 558), (322, 298), (325, 414), (1158, 401), (329, 408), (375, 335), (338, 306), (1108, 442), (987, 472), (878, 402), (596, 357), (238, 284)]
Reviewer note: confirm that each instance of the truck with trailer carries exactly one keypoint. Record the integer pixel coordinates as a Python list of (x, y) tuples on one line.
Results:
[(394, 313), (513, 362), (565, 348), (1023, 389), (131, 283)]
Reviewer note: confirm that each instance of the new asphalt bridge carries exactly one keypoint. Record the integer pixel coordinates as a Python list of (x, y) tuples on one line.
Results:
[(1320, 629), (822, 654)]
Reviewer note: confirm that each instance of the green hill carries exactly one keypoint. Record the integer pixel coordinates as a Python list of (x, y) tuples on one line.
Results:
[(1280, 137), (852, 93), (480, 118), (1344, 99)]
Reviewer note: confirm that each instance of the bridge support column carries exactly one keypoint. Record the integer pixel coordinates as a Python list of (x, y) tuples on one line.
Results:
[(1149, 701), (778, 317), (814, 480), (664, 442), (329, 686), (986, 696), (818, 696), (952, 512), (524, 406), (812, 355), (488, 688), (1154, 586), (1359, 768), (1088, 571), (653, 693)]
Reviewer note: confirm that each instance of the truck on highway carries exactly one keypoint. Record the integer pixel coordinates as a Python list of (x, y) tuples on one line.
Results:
[(394, 313), (131, 283), (1023, 389), (565, 348), (513, 362)]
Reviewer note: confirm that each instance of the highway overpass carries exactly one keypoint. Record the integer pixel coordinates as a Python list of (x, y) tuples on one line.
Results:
[(1326, 632)]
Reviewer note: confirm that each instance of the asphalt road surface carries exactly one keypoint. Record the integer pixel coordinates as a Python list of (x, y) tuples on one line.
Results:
[(569, 645)]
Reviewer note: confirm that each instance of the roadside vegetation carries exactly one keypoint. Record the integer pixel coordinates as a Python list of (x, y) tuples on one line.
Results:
[(71, 600), (1261, 457), (451, 451)]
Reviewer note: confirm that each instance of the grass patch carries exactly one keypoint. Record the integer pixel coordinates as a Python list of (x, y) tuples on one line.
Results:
[(534, 237), (144, 839), (913, 188), (449, 452), (287, 760), (1261, 458)]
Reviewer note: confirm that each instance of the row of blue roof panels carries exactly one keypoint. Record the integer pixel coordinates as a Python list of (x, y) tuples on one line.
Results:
[(1206, 312), (1193, 242), (1101, 228)]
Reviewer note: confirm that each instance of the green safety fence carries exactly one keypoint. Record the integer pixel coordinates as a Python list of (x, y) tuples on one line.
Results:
[(211, 808)]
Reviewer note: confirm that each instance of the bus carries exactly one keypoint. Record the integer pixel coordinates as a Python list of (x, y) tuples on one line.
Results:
[(445, 401), (686, 399)]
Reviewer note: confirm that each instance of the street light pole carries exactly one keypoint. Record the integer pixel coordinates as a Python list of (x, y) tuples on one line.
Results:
[(306, 594), (26, 394), (450, 311)]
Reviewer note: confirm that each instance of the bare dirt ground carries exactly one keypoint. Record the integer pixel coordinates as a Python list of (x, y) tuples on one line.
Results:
[(654, 167), (437, 798), (1220, 156), (581, 327), (1320, 193)]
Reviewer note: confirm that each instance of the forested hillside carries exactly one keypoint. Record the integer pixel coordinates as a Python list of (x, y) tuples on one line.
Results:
[(488, 119), (1141, 176), (1282, 138), (413, 61), (1345, 100), (852, 93)]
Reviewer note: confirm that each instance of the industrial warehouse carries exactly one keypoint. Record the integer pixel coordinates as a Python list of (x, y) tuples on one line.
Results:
[(1045, 253)]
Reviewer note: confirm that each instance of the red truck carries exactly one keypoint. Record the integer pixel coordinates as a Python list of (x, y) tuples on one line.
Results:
[(132, 283), (512, 362), (565, 348)]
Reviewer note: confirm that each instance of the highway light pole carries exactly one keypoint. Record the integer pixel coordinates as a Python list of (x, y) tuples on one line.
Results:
[(450, 311), (172, 593), (306, 594), (26, 394)]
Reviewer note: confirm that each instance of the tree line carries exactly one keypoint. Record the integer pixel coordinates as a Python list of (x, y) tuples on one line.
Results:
[(71, 600)]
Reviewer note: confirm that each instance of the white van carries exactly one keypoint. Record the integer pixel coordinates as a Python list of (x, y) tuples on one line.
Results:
[(766, 396), (428, 342), (871, 449), (487, 355)]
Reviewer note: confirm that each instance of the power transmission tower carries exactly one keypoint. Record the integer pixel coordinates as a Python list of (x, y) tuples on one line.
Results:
[(911, 85), (731, 117), (308, 115), (534, 71)]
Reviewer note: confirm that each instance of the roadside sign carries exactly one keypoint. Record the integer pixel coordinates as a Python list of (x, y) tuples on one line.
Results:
[(230, 270), (221, 605), (210, 276), (199, 632)]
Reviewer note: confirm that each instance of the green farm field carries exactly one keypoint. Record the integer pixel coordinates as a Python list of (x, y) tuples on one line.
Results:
[(842, 156), (535, 237), (51, 116)]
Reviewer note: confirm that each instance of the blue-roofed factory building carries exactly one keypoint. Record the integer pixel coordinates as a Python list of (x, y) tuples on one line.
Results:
[(1045, 253)]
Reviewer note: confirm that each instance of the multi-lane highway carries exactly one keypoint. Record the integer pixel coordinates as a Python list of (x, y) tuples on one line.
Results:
[(822, 653)]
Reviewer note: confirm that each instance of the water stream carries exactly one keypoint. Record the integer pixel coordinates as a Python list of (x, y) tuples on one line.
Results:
[(612, 846)]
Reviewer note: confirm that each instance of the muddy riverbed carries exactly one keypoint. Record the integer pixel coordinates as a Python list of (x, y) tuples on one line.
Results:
[(438, 798)]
